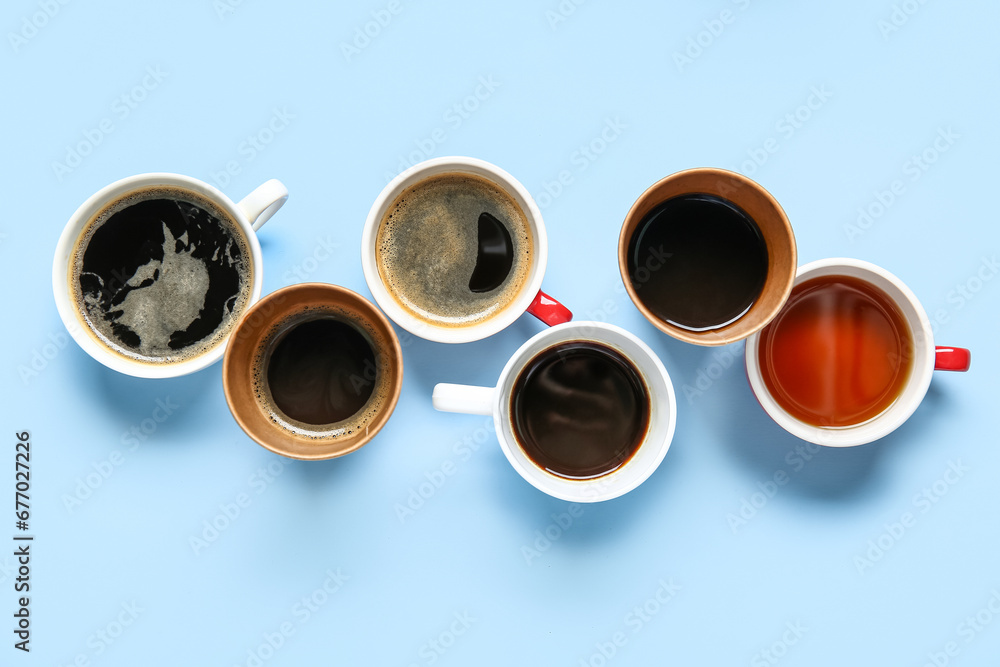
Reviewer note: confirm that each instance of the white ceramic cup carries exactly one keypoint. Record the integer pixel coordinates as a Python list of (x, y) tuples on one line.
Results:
[(926, 359), (496, 401), (250, 214), (530, 299)]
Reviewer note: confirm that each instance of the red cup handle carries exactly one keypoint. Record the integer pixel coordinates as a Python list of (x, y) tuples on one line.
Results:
[(548, 310), (952, 359)]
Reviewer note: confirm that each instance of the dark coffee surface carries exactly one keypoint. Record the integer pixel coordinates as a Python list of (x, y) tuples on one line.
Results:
[(580, 410), (697, 261), (494, 256), (322, 371), (160, 276)]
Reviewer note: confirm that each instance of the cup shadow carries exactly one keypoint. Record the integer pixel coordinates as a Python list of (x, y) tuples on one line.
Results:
[(684, 360), (593, 524), (761, 448), (273, 244), (320, 476), (170, 406), (602, 523), (477, 363)]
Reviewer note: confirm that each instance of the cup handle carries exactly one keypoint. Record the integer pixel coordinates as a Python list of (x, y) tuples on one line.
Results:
[(952, 359), (263, 202), (548, 310), (463, 398)]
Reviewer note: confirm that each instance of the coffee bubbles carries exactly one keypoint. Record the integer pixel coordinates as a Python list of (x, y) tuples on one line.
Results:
[(454, 250), (161, 274)]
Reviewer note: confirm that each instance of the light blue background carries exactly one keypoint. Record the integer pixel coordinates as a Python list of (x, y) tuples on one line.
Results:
[(556, 86)]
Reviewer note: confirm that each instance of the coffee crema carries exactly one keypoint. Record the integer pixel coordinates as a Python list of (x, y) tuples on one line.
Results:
[(454, 250), (580, 409), (838, 354), (161, 275), (697, 261), (318, 373)]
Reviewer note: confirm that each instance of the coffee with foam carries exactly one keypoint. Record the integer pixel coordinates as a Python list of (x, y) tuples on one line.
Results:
[(430, 245), (161, 275)]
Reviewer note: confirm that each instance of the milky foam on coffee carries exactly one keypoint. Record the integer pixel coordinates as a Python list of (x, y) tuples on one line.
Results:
[(427, 246), (382, 391), (161, 275)]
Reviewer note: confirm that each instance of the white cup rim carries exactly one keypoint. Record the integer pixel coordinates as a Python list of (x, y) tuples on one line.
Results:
[(659, 435), (423, 328), (920, 374), (81, 332)]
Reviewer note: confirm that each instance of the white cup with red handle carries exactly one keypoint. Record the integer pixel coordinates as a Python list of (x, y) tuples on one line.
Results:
[(530, 297), (925, 359)]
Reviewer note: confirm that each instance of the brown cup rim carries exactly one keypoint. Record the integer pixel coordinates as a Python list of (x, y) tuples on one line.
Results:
[(772, 301), (235, 384)]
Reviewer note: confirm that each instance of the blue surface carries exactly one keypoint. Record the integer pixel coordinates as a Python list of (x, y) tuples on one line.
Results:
[(469, 578)]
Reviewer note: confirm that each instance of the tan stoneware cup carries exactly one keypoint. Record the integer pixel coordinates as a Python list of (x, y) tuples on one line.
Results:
[(244, 374), (765, 212)]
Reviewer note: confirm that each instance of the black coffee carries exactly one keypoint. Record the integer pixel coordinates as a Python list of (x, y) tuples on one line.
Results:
[(161, 275), (697, 261), (322, 371), (580, 410), (454, 249), (494, 255)]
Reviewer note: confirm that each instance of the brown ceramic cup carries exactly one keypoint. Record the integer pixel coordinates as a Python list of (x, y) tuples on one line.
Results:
[(245, 371), (765, 211)]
